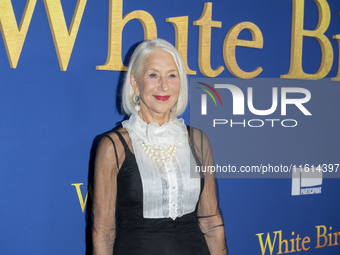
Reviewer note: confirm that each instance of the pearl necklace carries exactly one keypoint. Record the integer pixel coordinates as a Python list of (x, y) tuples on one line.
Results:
[(160, 153)]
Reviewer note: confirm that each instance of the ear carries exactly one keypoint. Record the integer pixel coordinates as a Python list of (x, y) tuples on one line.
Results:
[(133, 83)]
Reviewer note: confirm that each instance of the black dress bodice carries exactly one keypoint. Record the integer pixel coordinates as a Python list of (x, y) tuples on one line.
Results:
[(137, 235)]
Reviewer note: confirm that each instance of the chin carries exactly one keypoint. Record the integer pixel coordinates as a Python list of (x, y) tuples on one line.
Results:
[(162, 109)]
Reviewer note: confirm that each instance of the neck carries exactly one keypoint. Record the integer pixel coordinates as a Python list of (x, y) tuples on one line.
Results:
[(160, 119)]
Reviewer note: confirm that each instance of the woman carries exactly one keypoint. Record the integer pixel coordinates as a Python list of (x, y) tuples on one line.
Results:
[(143, 171)]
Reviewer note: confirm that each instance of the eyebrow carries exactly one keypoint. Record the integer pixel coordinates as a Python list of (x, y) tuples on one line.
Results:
[(156, 70)]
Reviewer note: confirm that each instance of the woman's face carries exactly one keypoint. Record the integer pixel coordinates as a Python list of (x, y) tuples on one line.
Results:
[(157, 83)]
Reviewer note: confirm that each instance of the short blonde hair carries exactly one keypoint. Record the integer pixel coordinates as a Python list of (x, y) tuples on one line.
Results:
[(134, 68)]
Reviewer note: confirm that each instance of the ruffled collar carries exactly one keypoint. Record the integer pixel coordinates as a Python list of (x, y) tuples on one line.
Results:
[(171, 133), (168, 189)]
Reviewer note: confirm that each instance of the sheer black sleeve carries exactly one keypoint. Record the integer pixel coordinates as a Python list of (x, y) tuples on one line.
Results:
[(110, 153), (209, 216)]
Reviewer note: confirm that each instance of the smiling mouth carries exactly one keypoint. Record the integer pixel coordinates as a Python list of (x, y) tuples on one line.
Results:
[(162, 98)]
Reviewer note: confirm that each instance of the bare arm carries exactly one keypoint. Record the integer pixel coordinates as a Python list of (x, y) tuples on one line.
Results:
[(104, 198)]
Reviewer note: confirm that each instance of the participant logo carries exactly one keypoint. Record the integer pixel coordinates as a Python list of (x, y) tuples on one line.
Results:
[(306, 181)]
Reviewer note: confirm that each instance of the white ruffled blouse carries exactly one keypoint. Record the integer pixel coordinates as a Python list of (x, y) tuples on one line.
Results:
[(170, 189)]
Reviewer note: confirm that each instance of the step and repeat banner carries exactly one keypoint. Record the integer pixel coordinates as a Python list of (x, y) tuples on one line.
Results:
[(264, 86)]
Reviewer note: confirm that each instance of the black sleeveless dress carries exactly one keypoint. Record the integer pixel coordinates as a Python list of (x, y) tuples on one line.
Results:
[(140, 236)]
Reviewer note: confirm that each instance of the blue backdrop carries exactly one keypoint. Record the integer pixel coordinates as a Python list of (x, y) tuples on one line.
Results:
[(49, 118)]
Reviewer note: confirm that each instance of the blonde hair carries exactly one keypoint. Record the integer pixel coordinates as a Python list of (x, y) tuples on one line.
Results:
[(134, 68)]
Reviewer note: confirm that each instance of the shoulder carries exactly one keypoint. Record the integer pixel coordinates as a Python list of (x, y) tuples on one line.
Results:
[(197, 136), (112, 143), (112, 137)]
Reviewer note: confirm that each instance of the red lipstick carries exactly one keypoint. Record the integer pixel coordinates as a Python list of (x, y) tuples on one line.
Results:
[(162, 98)]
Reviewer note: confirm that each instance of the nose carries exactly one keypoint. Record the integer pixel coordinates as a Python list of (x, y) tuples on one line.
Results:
[(163, 84)]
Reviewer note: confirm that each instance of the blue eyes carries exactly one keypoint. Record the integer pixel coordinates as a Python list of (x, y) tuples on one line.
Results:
[(153, 75)]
